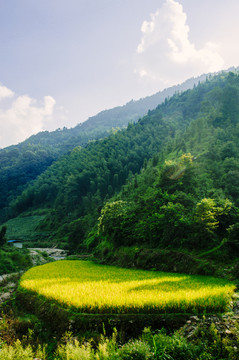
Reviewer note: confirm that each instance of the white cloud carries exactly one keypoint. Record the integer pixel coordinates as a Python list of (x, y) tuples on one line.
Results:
[(23, 117), (165, 52), (5, 92)]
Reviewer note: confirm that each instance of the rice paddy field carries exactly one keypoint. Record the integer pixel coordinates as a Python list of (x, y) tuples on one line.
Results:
[(102, 289)]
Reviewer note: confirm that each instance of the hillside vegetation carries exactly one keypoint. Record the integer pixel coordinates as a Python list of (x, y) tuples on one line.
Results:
[(168, 182), (21, 164), (187, 197), (76, 186)]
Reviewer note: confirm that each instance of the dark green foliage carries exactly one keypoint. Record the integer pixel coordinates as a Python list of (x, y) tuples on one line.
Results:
[(204, 342), (21, 164), (233, 237), (13, 260), (3, 235), (189, 200), (81, 181), (167, 211), (78, 184), (169, 181), (156, 259), (166, 347)]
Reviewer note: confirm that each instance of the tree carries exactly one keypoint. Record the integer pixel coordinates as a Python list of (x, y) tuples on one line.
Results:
[(230, 107), (3, 235), (208, 212), (233, 237), (115, 221)]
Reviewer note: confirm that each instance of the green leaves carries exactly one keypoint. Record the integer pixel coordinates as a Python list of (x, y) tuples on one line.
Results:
[(3, 235), (115, 222), (208, 213)]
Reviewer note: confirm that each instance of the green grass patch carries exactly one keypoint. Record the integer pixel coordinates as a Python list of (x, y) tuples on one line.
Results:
[(13, 260), (103, 289)]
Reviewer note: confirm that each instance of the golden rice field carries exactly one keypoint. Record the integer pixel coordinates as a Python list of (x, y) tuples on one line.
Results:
[(92, 288)]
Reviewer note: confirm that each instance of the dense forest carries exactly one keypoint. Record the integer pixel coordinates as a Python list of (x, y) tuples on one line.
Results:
[(22, 163), (187, 196), (168, 181)]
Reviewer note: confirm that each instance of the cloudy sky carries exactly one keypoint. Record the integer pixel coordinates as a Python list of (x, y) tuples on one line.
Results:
[(62, 61)]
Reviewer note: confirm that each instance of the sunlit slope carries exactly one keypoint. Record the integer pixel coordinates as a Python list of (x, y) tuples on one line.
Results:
[(93, 288)]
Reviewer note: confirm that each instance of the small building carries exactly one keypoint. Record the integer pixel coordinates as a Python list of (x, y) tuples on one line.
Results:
[(16, 243)]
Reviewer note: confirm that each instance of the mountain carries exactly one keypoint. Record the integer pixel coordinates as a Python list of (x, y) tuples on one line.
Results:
[(20, 164), (185, 200), (170, 181), (122, 115)]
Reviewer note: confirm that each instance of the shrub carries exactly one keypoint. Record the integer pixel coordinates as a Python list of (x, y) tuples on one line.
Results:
[(135, 350), (18, 352), (74, 351), (166, 347)]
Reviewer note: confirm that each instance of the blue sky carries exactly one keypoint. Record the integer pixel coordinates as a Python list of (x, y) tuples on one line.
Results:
[(62, 61)]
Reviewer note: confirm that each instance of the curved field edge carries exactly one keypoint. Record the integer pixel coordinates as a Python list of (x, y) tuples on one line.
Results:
[(89, 288)]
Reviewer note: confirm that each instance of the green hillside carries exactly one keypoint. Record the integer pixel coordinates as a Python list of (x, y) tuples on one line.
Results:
[(76, 186), (170, 181), (186, 198), (21, 164), (173, 176)]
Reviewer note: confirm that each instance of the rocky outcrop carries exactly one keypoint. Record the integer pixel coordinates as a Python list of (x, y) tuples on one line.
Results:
[(43, 255)]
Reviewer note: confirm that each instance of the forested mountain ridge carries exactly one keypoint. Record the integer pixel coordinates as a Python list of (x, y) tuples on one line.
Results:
[(22, 163), (186, 198), (194, 132), (134, 109)]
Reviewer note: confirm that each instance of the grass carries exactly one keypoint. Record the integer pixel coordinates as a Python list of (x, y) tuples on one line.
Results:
[(102, 289), (14, 260)]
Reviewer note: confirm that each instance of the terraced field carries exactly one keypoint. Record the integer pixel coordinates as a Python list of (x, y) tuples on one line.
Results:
[(23, 228), (101, 289)]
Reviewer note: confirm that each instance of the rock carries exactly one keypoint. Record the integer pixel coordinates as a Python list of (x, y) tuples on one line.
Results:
[(56, 254), (5, 296), (194, 318)]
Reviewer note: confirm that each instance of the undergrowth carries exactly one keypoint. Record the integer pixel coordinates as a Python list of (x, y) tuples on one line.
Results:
[(207, 344), (14, 260)]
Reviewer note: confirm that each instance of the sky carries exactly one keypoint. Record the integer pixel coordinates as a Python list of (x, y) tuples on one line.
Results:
[(62, 61)]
